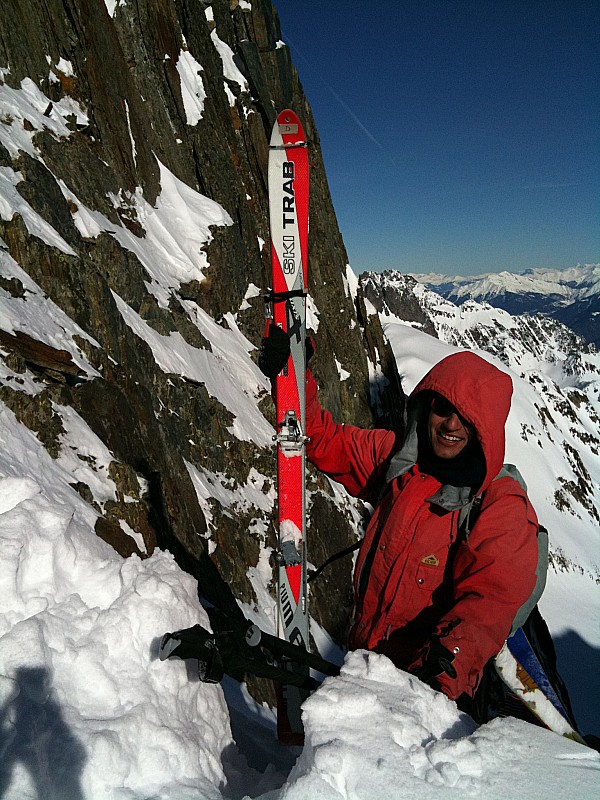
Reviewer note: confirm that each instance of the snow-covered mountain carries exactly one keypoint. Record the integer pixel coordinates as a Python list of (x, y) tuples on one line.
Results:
[(136, 455), (89, 711), (571, 296)]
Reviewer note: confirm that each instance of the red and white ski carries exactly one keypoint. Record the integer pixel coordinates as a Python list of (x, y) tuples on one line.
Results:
[(286, 306)]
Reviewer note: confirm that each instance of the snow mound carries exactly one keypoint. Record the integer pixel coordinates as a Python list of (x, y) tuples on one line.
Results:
[(376, 732), (86, 707)]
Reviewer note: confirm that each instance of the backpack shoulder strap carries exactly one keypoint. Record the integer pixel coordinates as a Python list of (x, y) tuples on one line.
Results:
[(541, 571), (510, 471), (467, 516)]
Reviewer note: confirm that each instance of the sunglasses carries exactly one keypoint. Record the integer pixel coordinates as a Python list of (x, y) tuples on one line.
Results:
[(442, 407)]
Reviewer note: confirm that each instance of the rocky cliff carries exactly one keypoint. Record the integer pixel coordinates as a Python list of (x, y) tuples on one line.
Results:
[(133, 244)]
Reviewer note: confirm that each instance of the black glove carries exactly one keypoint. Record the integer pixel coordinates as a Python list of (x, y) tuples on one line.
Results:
[(437, 662), (274, 351)]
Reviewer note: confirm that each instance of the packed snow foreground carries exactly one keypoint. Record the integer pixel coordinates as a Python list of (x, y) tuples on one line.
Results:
[(88, 711)]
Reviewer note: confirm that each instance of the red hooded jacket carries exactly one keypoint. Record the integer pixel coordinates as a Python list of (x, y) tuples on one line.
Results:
[(415, 576)]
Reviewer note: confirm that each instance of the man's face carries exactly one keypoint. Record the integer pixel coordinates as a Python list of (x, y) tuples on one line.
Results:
[(449, 433)]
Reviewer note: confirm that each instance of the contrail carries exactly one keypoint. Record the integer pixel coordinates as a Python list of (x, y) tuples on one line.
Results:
[(343, 104), (351, 113)]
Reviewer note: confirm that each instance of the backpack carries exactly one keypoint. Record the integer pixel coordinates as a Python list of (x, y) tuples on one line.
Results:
[(466, 520), (492, 698)]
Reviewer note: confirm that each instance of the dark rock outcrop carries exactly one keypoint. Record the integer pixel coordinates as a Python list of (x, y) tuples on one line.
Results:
[(122, 70)]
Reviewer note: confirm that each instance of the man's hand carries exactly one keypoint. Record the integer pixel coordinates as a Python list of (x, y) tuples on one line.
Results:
[(274, 351), (436, 662)]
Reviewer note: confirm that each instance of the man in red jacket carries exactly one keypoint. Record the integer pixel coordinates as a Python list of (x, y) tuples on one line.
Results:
[(436, 603)]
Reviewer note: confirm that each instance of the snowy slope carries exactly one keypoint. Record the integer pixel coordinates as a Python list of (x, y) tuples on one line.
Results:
[(375, 733), (79, 629)]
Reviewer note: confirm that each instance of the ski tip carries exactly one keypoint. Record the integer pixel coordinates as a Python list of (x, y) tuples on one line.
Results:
[(287, 117), (288, 130)]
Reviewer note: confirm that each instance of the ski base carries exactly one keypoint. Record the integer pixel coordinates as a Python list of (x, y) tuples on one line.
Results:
[(520, 670)]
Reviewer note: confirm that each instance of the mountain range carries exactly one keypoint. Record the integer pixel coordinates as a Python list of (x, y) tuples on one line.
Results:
[(571, 296)]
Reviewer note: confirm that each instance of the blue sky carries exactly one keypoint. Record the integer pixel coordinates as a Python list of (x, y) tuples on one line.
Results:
[(459, 136)]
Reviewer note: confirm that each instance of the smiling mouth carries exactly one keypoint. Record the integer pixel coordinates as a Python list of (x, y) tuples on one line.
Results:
[(449, 438)]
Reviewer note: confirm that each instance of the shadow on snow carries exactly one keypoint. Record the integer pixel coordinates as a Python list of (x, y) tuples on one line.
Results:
[(34, 735)]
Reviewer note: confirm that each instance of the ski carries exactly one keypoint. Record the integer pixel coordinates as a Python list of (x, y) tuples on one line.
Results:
[(521, 671), (288, 184)]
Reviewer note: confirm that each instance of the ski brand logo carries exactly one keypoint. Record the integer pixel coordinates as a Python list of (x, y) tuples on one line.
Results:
[(288, 200), (297, 638), (289, 255)]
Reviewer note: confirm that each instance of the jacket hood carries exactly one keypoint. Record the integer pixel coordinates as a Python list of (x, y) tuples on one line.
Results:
[(482, 395)]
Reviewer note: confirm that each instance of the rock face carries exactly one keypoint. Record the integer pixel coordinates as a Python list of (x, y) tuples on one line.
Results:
[(113, 117)]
